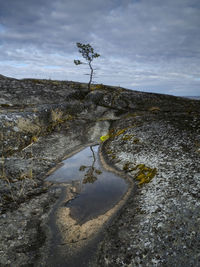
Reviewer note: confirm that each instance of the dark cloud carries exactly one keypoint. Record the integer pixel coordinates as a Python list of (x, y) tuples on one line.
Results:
[(51, 24), (149, 45)]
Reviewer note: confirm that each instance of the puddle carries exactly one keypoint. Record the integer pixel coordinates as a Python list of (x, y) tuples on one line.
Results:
[(98, 189)]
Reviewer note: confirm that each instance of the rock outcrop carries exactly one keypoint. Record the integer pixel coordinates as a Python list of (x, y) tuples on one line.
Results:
[(153, 138)]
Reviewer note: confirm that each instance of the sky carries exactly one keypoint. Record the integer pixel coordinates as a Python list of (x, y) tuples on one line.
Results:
[(145, 45)]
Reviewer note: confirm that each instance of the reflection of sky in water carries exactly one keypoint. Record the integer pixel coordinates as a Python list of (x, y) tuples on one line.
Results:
[(70, 170), (95, 198)]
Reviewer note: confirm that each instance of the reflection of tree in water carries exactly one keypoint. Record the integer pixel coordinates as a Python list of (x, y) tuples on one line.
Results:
[(89, 176)]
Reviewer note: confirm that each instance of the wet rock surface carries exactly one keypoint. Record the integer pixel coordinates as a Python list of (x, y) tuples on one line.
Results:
[(158, 225)]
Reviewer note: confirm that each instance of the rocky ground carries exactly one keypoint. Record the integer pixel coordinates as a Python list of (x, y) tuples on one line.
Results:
[(159, 225), (155, 139)]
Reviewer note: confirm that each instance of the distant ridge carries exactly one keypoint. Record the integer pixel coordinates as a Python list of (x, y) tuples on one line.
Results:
[(193, 97)]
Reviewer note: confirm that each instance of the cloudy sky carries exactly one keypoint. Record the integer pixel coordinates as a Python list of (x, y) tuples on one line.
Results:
[(148, 45)]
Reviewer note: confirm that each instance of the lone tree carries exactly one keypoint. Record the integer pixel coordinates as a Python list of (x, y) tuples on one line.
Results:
[(88, 54)]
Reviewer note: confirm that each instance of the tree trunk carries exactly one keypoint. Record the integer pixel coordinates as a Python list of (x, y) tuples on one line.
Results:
[(91, 74)]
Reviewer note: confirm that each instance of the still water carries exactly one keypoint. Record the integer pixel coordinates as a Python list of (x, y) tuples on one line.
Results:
[(98, 189)]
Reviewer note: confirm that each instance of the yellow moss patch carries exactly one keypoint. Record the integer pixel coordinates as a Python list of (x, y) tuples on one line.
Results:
[(145, 174), (56, 115), (104, 137), (113, 133), (98, 87), (34, 139), (127, 137), (154, 109), (26, 125), (120, 132)]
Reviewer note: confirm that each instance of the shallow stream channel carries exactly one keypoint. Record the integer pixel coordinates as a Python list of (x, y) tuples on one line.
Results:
[(91, 194)]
